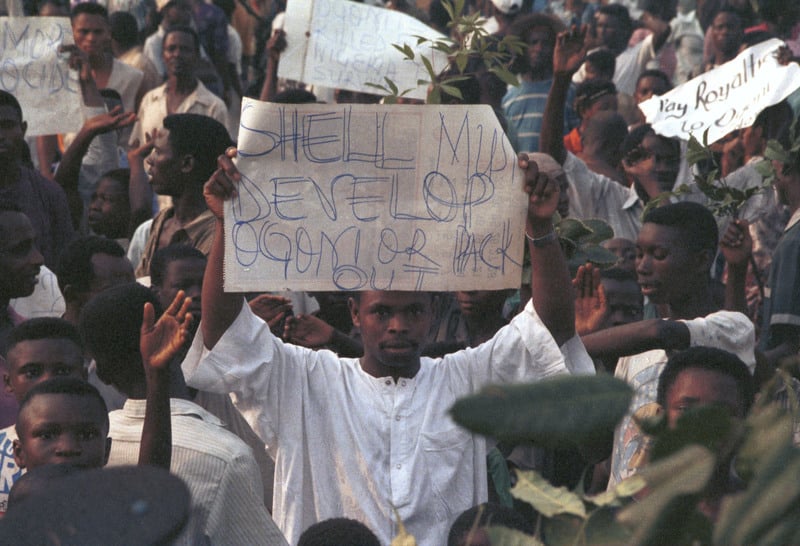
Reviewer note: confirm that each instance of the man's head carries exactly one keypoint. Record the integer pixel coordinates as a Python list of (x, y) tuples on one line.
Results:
[(185, 153), (702, 376), (770, 123), (594, 96), (625, 250), (110, 327), (600, 65), (62, 421), (337, 531), (110, 207), (613, 27), (539, 32), (623, 296), (674, 251), (180, 51), (90, 29), (12, 128), (727, 32), (20, 259), (646, 154), (40, 349), (90, 265), (651, 83), (175, 268), (176, 13), (603, 136), (124, 30), (394, 327)]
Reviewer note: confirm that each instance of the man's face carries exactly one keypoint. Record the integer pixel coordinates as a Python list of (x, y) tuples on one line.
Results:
[(625, 250), (695, 387), (647, 87), (394, 327), (486, 304), (180, 55), (20, 260), (62, 429), (178, 15), (785, 178), (609, 32), (665, 267), (109, 271), (187, 275), (726, 33), (661, 161), (624, 300), (109, 209), (34, 361), (12, 134), (163, 167), (540, 50), (92, 34)]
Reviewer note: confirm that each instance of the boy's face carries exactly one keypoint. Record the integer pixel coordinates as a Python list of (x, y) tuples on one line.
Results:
[(647, 87), (62, 429), (624, 300), (109, 209), (695, 387), (34, 361), (12, 133), (666, 268)]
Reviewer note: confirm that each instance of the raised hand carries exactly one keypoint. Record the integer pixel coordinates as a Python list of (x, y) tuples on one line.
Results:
[(570, 50), (543, 194), (591, 308), (222, 184), (110, 121), (308, 331), (271, 309), (160, 341), (736, 243)]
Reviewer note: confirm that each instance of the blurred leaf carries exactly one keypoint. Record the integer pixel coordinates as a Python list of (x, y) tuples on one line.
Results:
[(708, 426), (599, 528), (504, 536), (434, 95), (766, 512), (572, 229), (545, 498), (601, 231), (555, 412), (451, 90), (674, 485), (505, 75), (598, 255), (624, 489), (777, 152), (695, 152), (428, 67), (392, 85)]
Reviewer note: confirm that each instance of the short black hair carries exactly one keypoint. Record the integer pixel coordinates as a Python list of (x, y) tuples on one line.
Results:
[(336, 532), (122, 176), (165, 256), (75, 263), (124, 29), (621, 14), (44, 328), (658, 74), (64, 385), (88, 8), (202, 137), (524, 25), (707, 358), (490, 514), (588, 92), (637, 135), (110, 325), (295, 96), (603, 60), (186, 30), (7, 99), (696, 224)]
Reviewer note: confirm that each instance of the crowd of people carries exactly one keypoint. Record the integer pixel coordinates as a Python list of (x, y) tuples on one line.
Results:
[(322, 418)]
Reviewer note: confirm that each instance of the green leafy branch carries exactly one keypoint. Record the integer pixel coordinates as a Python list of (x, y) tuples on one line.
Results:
[(471, 42)]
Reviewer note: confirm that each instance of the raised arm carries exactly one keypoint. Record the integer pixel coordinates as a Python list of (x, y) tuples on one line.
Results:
[(737, 247), (219, 309), (637, 337), (159, 342), (275, 46), (570, 49), (551, 286)]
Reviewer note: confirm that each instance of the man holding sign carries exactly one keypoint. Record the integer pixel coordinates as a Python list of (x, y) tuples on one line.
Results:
[(356, 437)]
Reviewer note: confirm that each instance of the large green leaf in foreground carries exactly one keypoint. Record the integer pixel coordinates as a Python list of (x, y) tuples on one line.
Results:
[(557, 412)]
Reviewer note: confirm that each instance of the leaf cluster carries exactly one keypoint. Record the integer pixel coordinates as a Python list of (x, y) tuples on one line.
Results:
[(581, 241)]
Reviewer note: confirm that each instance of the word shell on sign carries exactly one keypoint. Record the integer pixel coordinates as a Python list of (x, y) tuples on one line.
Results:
[(358, 197)]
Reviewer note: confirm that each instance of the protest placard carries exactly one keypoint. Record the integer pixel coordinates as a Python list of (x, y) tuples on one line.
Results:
[(349, 197), (32, 70), (342, 44), (726, 98)]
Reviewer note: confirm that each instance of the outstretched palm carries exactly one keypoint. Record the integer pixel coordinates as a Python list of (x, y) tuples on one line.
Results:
[(570, 50), (160, 341)]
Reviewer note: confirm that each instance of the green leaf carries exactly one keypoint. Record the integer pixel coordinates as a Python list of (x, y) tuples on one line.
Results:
[(434, 95), (624, 489), (598, 255), (708, 426), (505, 536), (776, 152), (555, 412), (545, 498), (462, 58), (765, 431), (377, 86), (505, 75), (392, 85), (601, 231), (451, 90), (573, 229), (675, 484), (428, 67), (696, 152)]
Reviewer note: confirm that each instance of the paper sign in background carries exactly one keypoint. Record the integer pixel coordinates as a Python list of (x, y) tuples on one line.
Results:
[(32, 71), (726, 98), (348, 197), (341, 44)]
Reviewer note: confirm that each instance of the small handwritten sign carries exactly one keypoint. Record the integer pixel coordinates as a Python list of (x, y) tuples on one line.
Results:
[(32, 70), (372, 197), (342, 44), (726, 98)]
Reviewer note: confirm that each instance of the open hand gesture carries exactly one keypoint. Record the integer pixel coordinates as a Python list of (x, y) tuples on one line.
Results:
[(543, 194), (308, 331), (570, 50), (160, 341), (222, 184), (591, 308), (736, 243), (271, 309)]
